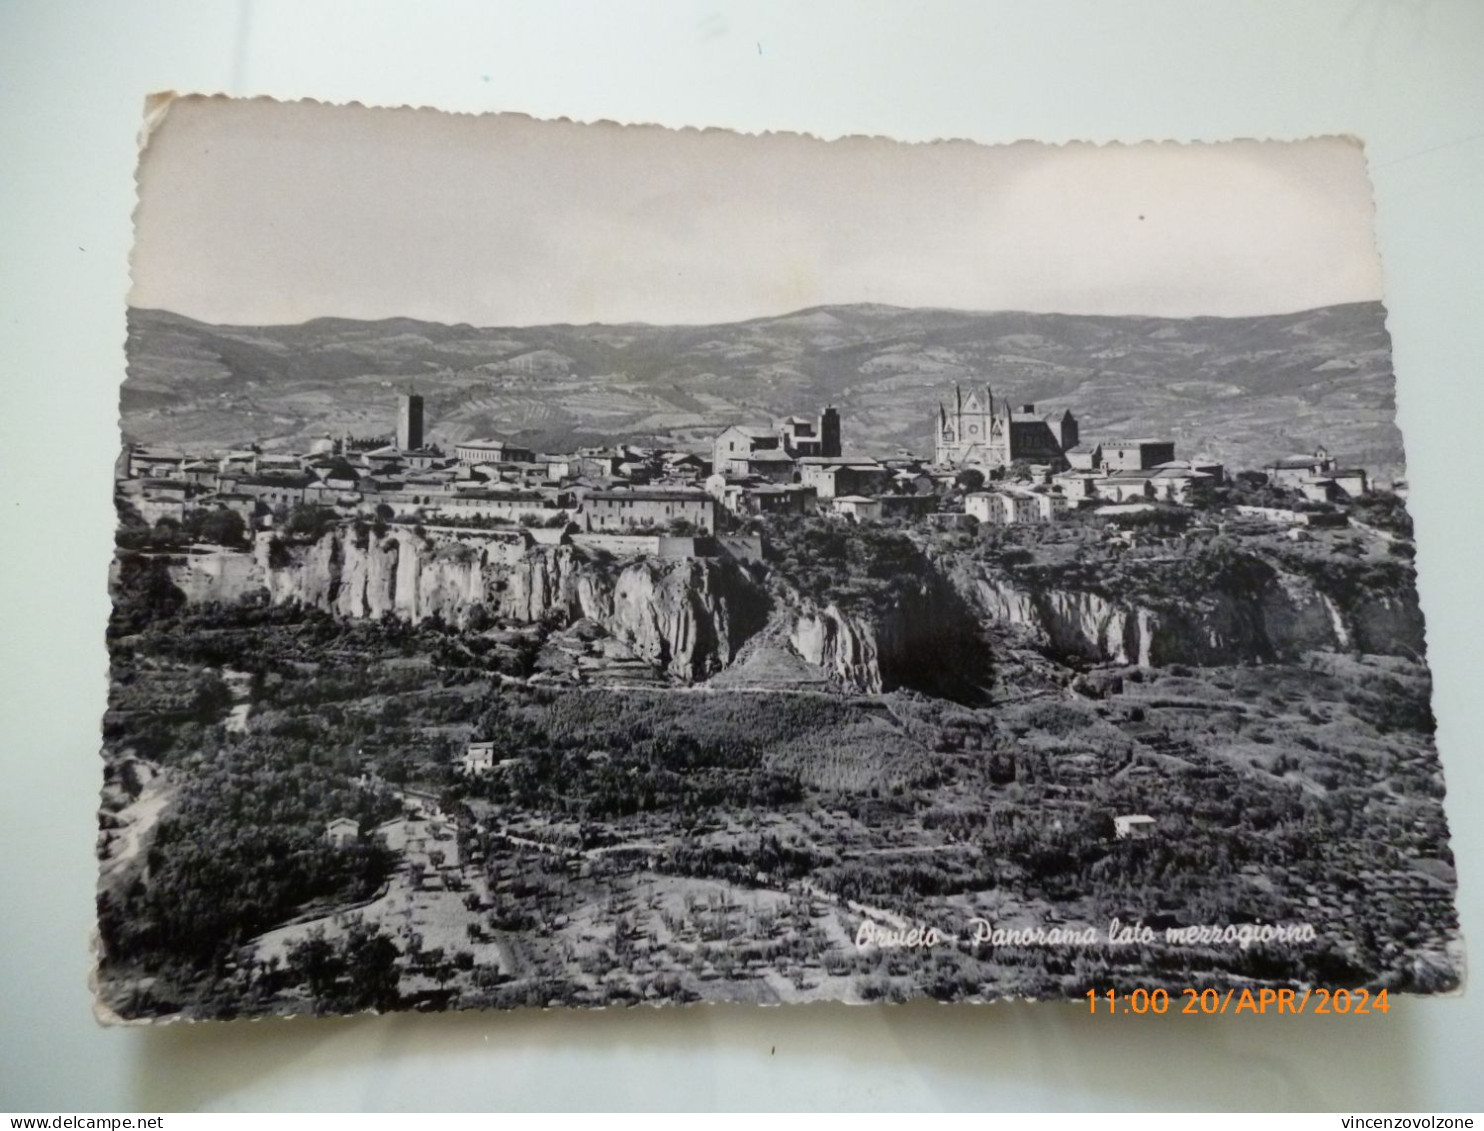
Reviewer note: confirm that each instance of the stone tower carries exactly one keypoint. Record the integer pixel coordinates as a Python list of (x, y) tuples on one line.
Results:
[(409, 422), (829, 432)]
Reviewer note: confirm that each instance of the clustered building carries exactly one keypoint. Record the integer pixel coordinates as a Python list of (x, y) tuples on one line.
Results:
[(797, 465), (489, 479), (1033, 468), (1038, 468), (1318, 477)]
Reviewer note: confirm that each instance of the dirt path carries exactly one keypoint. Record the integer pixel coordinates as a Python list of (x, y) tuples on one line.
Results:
[(880, 914), (137, 820), (240, 685)]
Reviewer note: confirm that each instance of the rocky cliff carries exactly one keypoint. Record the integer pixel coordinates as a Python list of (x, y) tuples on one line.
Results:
[(846, 648), (1280, 616), (915, 642), (686, 615), (690, 616)]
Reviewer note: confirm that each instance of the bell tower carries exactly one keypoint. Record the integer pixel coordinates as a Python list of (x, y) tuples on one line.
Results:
[(409, 422), (829, 431)]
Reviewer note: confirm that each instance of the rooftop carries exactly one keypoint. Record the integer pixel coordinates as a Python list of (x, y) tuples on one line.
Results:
[(1190, 464), (1164, 471), (771, 455), (756, 431), (486, 442), (653, 496), (1296, 462), (300, 480), (504, 496)]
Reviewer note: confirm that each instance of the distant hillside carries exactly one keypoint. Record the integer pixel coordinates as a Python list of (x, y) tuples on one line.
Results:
[(1241, 389)]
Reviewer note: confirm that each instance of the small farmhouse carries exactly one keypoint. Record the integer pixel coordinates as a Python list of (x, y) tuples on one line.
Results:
[(342, 832), (478, 759), (1133, 826)]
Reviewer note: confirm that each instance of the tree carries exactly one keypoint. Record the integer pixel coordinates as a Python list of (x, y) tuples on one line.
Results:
[(144, 592), (309, 522), (210, 696), (314, 961), (969, 479), (358, 971), (219, 526), (371, 959)]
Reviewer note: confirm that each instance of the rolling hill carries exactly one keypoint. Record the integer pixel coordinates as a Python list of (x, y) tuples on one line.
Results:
[(1240, 389)]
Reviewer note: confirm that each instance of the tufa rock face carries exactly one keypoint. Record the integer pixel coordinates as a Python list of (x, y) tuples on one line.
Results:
[(686, 615), (916, 642), (1285, 617), (843, 646), (691, 616), (1070, 622)]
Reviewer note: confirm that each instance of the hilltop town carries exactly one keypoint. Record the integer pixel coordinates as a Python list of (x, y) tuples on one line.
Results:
[(999, 463), (418, 726)]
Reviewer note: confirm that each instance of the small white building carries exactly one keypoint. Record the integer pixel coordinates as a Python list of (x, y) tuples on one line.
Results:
[(342, 831), (1175, 484), (1133, 826), (857, 507), (1351, 482), (1126, 486), (1319, 489), (478, 759), (1291, 471), (1051, 506), (1016, 507), (1078, 484)]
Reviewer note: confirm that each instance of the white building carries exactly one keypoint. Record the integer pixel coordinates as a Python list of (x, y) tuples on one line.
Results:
[(1180, 485), (857, 507), (1126, 486), (1013, 507), (492, 450), (342, 831), (1133, 826), (1078, 484), (478, 759)]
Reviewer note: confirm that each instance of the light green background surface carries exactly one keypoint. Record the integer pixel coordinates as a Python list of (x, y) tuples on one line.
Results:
[(1406, 75)]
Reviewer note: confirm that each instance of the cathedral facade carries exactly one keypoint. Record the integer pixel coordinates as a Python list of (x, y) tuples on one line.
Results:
[(978, 431)]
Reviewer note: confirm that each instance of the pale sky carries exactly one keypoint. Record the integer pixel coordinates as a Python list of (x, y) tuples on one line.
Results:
[(262, 212)]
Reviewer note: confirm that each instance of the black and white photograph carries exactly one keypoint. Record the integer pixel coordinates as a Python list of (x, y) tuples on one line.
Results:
[(576, 564)]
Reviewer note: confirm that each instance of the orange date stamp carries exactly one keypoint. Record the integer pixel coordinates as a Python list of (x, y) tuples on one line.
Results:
[(1210, 1001)]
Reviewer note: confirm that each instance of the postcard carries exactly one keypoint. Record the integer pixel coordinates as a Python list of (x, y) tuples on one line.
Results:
[(569, 564)]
